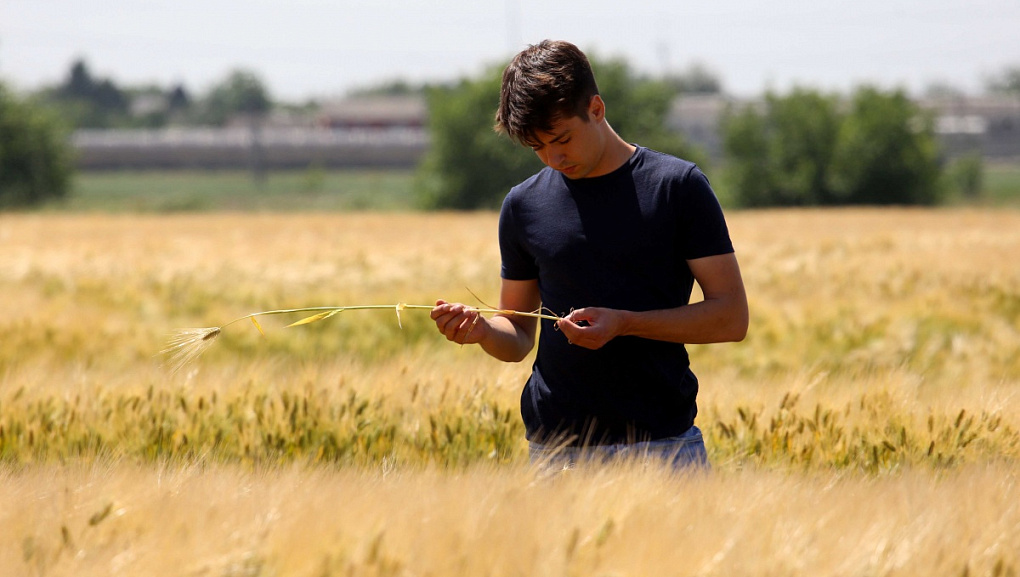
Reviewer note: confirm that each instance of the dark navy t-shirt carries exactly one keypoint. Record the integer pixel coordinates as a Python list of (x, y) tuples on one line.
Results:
[(620, 241)]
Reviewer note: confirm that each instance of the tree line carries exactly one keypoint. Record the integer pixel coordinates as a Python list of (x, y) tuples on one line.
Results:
[(807, 148), (801, 148), (85, 100), (36, 160)]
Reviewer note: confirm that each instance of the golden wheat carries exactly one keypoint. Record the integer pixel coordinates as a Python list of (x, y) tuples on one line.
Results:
[(869, 424), (187, 518)]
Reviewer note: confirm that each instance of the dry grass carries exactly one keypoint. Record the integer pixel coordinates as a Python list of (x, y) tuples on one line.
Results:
[(869, 425), (109, 519)]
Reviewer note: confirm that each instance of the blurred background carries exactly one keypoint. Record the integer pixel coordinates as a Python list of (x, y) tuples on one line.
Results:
[(371, 105)]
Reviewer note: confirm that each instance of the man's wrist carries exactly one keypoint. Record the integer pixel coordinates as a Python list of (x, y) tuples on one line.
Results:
[(627, 323)]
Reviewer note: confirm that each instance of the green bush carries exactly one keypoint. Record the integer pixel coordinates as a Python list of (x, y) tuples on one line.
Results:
[(468, 165), (35, 155), (967, 174), (803, 149), (886, 152), (782, 157)]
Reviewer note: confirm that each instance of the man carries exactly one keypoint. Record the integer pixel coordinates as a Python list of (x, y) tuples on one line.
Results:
[(611, 236)]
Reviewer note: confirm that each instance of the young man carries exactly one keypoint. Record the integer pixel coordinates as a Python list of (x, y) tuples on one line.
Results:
[(612, 236)]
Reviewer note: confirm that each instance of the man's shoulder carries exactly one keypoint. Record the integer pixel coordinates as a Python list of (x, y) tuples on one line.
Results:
[(541, 178), (538, 183), (666, 165)]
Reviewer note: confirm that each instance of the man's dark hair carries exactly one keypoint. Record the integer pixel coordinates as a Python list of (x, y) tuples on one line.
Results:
[(544, 83)]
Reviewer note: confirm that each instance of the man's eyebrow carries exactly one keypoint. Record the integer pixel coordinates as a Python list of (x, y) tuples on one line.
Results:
[(560, 136), (554, 137)]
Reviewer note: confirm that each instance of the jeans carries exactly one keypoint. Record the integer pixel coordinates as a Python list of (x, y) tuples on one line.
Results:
[(684, 452)]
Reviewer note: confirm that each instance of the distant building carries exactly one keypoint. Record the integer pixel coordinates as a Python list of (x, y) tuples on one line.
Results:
[(374, 113), (361, 132), (697, 117), (989, 126), (148, 103)]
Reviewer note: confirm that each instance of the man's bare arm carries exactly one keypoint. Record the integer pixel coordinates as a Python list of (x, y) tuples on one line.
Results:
[(721, 317), (505, 337)]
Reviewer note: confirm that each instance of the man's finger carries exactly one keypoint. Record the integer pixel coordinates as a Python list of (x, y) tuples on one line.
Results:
[(472, 327)]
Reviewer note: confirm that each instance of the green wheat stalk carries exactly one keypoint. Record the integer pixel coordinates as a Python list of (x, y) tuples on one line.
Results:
[(186, 345)]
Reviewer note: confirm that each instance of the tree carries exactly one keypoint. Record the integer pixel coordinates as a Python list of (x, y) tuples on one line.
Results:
[(803, 149), (178, 99), (967, 175), (637, 108), (79, 82), (782, 156), (941, 90), (1007, 83), (469, 166), (242, 92), (886, 152), (34, 153), (750, 170), (396, 87), (242, 95), (696, 79), (89, 102)]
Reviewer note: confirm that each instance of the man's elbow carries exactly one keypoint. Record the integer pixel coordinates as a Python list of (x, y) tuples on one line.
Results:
[(511, 356), (736, 329), (738, 333), (515, 358)]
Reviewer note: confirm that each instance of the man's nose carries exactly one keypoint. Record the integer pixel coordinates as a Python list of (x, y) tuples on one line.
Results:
[(557, 157)]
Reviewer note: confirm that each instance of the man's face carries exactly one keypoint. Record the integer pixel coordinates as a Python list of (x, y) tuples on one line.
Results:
[(575, 146)]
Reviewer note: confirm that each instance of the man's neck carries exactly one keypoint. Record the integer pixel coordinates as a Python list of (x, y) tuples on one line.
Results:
[(617, 152)]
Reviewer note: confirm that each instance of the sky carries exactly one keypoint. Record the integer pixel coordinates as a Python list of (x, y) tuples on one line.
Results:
[(321, 49)]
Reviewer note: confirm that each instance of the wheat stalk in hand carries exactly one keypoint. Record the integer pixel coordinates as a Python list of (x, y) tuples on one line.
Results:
[(186, 345)]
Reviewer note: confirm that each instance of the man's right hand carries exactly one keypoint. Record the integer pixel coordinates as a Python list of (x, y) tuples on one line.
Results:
[(459, 323), (507, 337)]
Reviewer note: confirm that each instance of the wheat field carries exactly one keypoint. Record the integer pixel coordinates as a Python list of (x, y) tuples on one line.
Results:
[(869, 424)]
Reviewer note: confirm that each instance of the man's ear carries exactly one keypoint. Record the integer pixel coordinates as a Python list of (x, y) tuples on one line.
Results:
[(596, 108)]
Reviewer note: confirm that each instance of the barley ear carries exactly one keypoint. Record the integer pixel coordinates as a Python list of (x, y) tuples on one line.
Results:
[(186, 345)]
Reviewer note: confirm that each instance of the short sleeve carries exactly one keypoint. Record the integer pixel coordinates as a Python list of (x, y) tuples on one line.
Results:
[(704, 227), (517, 262)]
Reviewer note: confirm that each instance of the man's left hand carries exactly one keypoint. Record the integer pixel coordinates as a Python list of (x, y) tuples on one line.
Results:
[(591, 327)]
